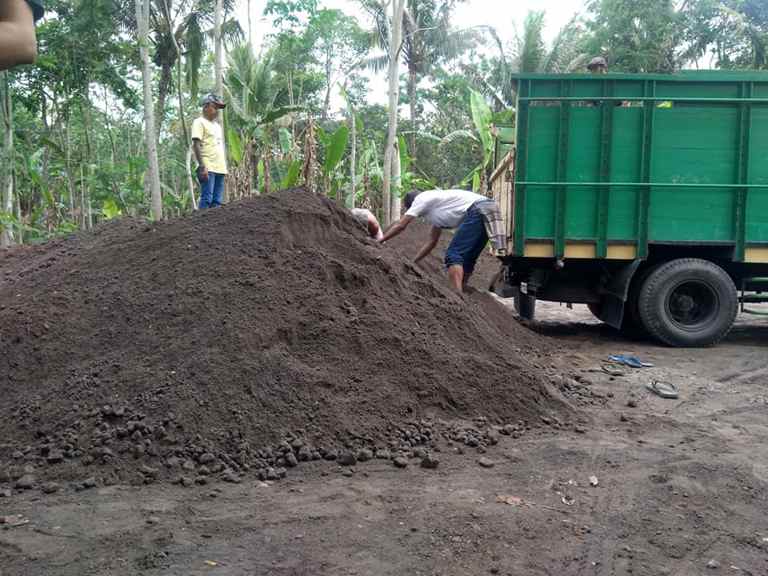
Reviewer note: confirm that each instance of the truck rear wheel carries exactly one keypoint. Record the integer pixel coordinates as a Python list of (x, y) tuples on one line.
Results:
[(688, 302)]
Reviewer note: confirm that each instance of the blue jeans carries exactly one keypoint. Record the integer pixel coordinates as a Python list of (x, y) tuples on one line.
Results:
[(468, 242), (211, 190)]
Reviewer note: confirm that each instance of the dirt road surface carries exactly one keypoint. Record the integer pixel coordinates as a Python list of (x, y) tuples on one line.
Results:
[(680, 490)]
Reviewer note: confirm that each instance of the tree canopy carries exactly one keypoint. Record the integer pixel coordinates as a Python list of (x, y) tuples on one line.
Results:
[(303, 104)]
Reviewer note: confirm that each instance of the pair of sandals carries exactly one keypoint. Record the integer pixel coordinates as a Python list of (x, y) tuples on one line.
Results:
[(665, 390)]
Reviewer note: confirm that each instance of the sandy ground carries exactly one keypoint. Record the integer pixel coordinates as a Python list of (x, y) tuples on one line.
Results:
[(681, 490)]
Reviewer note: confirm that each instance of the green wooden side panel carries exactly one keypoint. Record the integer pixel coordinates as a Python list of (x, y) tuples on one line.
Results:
[(706, 159), (626, 146), (694, 145), (697, 90), (583, 165), (757, 199), (542, 167), (692, 215)]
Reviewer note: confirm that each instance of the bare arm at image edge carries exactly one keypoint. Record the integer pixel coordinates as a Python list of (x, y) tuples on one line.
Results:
[(18, 43)]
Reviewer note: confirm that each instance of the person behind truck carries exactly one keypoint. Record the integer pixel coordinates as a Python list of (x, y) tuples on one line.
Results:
[(208, 145), (476, 218), (369, 222), (598, 65), (18, 43)]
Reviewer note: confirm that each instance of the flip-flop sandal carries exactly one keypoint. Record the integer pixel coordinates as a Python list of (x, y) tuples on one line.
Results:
[(663, 389), (614, 370), (631, 361)]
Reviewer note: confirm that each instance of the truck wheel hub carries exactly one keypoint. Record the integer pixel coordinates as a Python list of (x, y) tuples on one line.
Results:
[(692, 304)]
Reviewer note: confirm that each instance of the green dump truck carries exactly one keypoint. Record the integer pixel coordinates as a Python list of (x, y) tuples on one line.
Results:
[(642, 196)]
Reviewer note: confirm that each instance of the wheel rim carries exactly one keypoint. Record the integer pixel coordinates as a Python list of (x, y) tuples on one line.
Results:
[(692, 305)]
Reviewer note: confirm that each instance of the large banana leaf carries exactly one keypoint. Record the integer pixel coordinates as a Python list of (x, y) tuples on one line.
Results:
[(234, 145), (335, 149), (278, 113), (482, 117), (292, 177)]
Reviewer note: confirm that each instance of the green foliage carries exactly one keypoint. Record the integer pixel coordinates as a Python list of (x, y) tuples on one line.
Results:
[(234, 146), (335, 146), (636, 36), (110, 210), (289, 12), (292, 176), (482, 117), (78, 128), (530, 50)]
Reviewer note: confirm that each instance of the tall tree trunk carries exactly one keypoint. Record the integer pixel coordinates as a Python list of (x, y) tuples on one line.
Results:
[(66, 140), (184, 132), (83, 214), (309, 171), (142, 17), (398, 7), (397, 183), (412, 81), (250, 25), (6, 238), (218, 21), (163, 89), (352, 154), (266, 158), (328, 85)]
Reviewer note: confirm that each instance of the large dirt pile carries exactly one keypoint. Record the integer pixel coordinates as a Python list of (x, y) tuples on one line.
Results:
[(245, 337)]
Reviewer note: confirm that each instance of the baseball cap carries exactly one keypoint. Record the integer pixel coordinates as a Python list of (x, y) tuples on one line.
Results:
[(213, 99)]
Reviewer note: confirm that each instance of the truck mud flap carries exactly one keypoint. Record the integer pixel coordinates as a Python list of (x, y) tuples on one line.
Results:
[(616, 294)]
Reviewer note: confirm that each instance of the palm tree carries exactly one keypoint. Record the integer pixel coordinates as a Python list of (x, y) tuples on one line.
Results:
[(428, 40), (529, 53), (250, 89), (153, 175), (180, 27)]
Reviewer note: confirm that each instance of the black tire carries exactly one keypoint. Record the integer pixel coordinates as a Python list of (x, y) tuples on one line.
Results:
[(688, 303), (525, 306)]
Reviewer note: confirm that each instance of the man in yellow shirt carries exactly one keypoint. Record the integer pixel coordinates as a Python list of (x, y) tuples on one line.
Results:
[(208, 144)]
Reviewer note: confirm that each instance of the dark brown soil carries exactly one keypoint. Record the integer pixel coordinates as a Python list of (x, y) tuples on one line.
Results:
[(221, 338)]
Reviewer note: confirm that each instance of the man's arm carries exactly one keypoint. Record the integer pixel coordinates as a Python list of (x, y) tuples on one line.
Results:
[(434, 238), (201, 169), (18, 43), (397, 227)]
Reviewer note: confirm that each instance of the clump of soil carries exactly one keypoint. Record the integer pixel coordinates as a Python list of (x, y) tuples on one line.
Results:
[(248, 337)]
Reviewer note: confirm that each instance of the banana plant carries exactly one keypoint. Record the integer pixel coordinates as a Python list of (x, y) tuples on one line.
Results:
[(334, 146), (482, 118)]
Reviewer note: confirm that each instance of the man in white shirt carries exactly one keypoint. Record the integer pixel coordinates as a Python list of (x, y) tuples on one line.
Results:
[(477, 218)]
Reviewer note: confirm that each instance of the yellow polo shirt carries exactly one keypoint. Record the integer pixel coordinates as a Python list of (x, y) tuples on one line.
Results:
[(211, 138)]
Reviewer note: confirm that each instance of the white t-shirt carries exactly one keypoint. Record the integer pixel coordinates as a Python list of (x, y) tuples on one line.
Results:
[(443, 208)]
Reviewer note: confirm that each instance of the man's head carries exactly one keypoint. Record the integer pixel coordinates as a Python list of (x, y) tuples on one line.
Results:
[(598, 65), (212, 103), (409, 198)]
